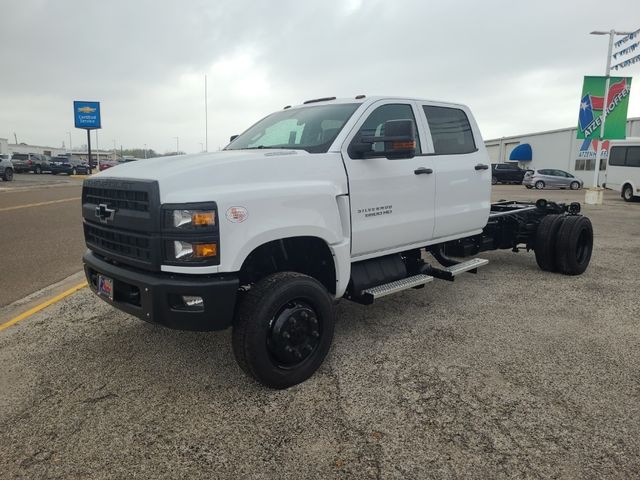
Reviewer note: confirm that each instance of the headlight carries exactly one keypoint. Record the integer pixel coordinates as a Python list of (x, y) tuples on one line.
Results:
[(189, 219), (190, 234)]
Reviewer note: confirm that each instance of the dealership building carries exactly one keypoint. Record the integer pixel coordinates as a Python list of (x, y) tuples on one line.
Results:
[(555, 149)]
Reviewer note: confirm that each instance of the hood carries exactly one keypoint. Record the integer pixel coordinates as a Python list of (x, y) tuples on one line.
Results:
[(191, 178)]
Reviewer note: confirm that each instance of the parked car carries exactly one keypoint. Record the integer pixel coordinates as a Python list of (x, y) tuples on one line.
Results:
[(506, 173), (553, 178), (104, 164), (30, 162), (6, 168), (69, 165)]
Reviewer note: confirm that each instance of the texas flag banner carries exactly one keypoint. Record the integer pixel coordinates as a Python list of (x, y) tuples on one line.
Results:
[(592, 105)]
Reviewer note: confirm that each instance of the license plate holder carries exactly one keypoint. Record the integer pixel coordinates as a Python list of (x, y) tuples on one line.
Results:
[(105, 286)]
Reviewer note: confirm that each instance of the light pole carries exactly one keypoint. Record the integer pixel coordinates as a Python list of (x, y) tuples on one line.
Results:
[(145, 150), (201, 147), (177, 144), (206, 116), (612, 33), (70, 146)]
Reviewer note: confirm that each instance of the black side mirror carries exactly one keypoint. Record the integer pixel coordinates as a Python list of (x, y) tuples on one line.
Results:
[(399, 141), (232, 138)]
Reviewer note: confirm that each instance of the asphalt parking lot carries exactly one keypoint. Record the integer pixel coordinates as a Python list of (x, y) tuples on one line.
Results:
[(40, 233), (512, 372)]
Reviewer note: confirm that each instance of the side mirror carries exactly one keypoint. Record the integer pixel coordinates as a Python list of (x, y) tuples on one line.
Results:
[(399, 141), (232, 138)]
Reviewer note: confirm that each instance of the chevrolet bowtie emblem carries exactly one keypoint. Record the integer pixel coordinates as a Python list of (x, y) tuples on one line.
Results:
[(104, 213)]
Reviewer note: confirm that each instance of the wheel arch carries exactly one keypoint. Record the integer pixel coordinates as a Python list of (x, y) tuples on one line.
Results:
[(308, 254)]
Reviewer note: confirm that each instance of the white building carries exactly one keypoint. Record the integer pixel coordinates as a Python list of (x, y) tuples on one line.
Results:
[(554, 149)]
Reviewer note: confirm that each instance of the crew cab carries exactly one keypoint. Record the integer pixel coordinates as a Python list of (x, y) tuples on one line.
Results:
[(331, 199)]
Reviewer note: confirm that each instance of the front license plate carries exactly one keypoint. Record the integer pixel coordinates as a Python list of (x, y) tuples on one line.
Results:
[(105, 286)]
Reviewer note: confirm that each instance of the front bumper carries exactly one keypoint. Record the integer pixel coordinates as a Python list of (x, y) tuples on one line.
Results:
[(154, 297)]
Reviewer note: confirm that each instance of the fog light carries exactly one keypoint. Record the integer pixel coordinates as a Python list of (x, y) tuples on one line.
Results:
[(192, 303)]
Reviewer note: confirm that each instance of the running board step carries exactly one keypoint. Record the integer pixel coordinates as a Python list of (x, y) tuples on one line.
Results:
[(449, 273), (383, 290)]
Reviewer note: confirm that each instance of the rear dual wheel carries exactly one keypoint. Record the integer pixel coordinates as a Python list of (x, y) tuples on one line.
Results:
[(7, 176), (564, 244), (283, 329)]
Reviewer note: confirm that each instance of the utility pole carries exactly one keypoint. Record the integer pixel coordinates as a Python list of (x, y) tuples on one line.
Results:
[(612, 33)]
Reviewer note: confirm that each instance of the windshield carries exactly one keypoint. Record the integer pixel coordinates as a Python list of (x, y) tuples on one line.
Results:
[(310, 128)]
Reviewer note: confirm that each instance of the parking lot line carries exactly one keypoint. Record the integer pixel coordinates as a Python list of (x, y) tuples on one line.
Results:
[(42, 306), (28, 205)]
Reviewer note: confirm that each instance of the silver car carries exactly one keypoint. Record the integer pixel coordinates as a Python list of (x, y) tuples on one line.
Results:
[(551, 178)]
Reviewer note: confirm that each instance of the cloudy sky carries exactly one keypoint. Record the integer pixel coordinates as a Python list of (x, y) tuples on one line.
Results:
[(518, 65)]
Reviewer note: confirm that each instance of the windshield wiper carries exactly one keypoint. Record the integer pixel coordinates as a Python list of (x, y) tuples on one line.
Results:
[(259, 147)]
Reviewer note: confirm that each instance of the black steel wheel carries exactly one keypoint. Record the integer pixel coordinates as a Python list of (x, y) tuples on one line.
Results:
[(574, 245), (546, 239), (7, 176), (627, 193), (283, 329)]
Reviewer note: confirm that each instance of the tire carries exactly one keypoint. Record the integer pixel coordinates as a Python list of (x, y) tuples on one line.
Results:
[(38, 170), (539, 185), (285, 303), (546, 238), (529, 187), (574, 245), (74, 172), (574, 185), (627, 193), (494, 181), (7, 176)]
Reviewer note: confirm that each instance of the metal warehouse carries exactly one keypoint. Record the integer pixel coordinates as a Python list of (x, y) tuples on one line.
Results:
[(555, 149)]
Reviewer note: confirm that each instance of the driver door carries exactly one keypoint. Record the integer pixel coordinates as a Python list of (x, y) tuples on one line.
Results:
[(392, 201)]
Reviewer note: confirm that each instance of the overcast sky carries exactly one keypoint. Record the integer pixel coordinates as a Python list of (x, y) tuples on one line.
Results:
[(518, 65)]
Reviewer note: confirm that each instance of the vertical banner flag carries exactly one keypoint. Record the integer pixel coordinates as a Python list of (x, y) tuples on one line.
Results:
[(592, 105)]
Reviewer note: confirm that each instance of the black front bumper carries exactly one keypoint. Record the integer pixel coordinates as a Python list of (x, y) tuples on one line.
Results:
[(155, 297)]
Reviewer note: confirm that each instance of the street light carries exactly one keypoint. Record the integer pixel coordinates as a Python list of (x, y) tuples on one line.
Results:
[(201, 147), (70, 146), (612, 33), (177, 144), (145, 150)]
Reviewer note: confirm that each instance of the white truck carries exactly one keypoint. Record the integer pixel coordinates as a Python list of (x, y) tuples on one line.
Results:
[(331, 199)]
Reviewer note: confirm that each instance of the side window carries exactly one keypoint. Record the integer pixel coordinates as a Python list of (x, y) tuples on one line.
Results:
[(617, 155), (374, 124), (450, 130), (633, 157)]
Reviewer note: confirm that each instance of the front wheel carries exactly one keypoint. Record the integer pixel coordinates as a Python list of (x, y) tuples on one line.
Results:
[(74, 172), (539, 185), (627, 193), (494, 181), (38, 170), (529, 187), (283, 329), (574, 185), (7, 176)]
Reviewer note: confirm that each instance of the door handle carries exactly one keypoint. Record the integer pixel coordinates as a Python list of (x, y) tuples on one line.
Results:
[(481, 166), (422, 171)]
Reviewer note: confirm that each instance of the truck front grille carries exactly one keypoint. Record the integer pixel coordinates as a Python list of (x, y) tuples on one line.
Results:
[(135, 200), (122, 245)]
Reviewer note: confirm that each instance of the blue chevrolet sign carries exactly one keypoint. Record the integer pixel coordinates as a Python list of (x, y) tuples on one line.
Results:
[(87, 114)]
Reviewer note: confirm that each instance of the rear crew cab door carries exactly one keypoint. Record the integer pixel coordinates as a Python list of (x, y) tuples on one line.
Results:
[(391, 205), (461, 167)]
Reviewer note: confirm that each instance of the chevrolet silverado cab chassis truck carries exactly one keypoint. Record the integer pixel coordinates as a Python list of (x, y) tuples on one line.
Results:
[(352, 198)]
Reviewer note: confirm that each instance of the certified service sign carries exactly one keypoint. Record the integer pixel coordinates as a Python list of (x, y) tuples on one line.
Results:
[(86, 114)]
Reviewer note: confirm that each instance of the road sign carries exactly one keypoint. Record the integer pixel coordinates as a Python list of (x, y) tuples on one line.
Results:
[(86, 115)]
